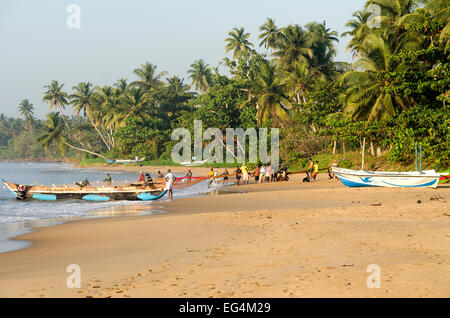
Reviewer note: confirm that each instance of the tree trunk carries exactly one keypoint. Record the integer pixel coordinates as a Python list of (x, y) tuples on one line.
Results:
[(98, 131), (334, 147), (372, 149), (343, 150), (84, 150), (378, 151)]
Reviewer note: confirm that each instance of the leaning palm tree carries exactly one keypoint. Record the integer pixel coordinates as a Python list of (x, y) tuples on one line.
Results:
[(147, 77), (83, 100), (201, 76), (55, 97), (237, 42), (54, 134), (269, 34), (268, 93)]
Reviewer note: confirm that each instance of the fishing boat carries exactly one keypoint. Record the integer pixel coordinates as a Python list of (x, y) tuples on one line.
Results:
[(362, 178), (193, 163), (124, 161), (138, 191)]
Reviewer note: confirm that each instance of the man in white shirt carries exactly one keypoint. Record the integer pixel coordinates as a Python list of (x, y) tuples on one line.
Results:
[(169, 182)]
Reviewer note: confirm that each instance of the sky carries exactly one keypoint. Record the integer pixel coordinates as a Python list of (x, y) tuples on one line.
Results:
[(115, 37)]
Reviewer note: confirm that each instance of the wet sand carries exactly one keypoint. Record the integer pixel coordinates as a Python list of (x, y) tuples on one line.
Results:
[(271, 240)]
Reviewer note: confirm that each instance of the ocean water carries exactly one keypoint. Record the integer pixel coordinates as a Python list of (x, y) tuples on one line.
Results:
[(19, 217)]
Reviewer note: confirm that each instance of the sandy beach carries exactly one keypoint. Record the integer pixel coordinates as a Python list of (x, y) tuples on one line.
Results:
[(288, 239)]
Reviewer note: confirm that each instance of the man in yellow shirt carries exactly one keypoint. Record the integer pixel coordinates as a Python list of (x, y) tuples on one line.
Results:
[(316, 170), (244, 174)]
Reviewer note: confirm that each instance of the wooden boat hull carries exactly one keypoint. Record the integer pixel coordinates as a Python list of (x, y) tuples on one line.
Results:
[(361, 178), (129, 193)]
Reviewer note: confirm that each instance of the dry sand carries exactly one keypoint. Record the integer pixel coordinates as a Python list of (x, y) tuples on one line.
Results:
[(275, 240)]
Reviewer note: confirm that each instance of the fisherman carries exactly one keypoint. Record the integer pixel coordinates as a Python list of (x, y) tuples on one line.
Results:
[(311, 166), (21, 192), (238, 173), (211, 175), (331, 174), (316, 170), (244, 174), (170, 179), (108, 180), (225, 177), (83, 184), (189, 175), (148, 181), (141, 176), (268, 173), (256, 172), (262, 174), (160, 175), (283, 172)]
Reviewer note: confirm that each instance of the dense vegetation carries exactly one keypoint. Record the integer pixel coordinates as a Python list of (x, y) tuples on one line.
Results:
[(395, 94)]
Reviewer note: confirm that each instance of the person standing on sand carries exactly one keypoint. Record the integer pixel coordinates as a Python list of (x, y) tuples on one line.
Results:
[(316, 170), (170, 179), (268, 173), (256, 173), (225, 177), (238, 173), (141, 176), (262, 174), (211, 176), (311, 166), (244, 174), (189, 175)]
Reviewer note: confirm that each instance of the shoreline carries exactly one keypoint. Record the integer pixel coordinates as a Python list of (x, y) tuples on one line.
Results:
[(270, 240)]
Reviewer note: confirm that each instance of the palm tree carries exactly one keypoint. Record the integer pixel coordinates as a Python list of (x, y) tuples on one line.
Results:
[(122, 85), (200, 74), (366, 98), (359, 29), (135, 104), (55, 96), (237, 42), (292, 46), (268, 93), (269, 34), (26, 109), (177, 84), (82, 98), (300, 80), (54, 134), (147, 77)]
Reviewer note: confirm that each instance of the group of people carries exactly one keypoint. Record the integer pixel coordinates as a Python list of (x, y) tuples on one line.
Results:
[(261, 174), (147, 179)]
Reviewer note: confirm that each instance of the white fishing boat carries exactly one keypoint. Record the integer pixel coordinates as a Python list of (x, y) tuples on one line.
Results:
[(362, 178)]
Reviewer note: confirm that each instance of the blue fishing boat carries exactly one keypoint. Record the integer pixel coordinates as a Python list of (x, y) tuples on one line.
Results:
[(362, 178)]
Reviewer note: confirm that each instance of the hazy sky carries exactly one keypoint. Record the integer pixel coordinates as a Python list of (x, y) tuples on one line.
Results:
[(115, 37)]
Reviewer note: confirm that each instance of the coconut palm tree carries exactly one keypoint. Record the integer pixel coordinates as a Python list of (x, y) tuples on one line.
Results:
[(177, 84), (135, 105), (269, 34), (26, 109), (300, 80), (201, 76), (122, 85), (237, 41), (359, 29), (268, 93), (55, 96), (366, 98), (147, 77), (82, 98), (54, 134), (293, 45)]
